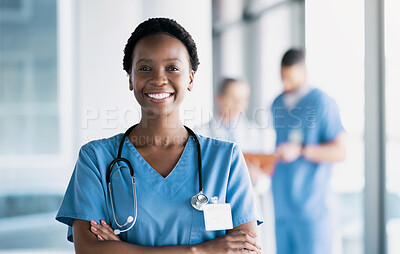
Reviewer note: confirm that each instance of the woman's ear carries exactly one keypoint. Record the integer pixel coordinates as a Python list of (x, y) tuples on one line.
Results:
[(191, 77), (130, 82)]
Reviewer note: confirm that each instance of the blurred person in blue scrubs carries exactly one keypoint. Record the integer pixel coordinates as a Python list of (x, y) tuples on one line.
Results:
[(230, 123), (161, 61), (310, 137)]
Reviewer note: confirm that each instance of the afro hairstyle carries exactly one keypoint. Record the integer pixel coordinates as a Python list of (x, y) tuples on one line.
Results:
[(160, 26)]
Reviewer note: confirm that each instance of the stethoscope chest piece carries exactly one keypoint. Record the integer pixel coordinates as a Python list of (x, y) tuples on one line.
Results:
[(198, 201)]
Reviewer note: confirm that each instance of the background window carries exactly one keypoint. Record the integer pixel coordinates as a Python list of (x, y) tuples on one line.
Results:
[(335, 55), (392, 39), (28, 77), (30, 130)]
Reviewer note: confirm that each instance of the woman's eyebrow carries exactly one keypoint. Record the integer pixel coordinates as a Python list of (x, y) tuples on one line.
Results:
[(144, 60), (172, 59), (147, 60)]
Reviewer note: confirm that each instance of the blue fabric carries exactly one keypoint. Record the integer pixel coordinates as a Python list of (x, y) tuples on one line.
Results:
[(301, 188), (303, 236), (165, 215)]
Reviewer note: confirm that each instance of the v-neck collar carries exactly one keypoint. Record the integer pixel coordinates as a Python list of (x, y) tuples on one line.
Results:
[(165, 186)]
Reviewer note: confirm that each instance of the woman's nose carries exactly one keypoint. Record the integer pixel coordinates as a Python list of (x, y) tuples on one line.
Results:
[(159, 78)]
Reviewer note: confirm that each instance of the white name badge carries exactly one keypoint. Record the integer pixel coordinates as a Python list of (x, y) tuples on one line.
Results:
[(218, 216)]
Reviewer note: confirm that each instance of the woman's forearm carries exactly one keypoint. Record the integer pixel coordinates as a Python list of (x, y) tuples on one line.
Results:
[(87, 243), (100, 247)]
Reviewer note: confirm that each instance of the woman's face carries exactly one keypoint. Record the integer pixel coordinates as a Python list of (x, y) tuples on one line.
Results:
[(161, 74)]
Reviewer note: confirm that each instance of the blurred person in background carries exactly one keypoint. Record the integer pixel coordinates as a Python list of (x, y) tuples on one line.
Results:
[(310, 137), (231, 124)]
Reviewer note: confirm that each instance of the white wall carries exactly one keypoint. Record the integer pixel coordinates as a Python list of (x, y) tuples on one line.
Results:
[(102, 85), (195, 17), (230, 51), (106, 106)]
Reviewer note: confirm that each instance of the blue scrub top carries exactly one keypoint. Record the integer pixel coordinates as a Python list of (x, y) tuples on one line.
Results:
[(165, 215), (301, 188)]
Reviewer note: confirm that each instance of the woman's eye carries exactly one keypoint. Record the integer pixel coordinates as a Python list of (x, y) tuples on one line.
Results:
[(144, 68), (172, 68)]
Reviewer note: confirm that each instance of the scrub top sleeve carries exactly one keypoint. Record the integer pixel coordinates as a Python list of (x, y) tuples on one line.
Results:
[(331, 122), (84, 198), (240, 192)]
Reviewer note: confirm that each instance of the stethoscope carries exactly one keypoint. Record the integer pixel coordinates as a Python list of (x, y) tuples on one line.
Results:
[(197, 201)]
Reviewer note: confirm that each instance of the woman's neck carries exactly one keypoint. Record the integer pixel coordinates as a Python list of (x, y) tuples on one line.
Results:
[(159, 131)]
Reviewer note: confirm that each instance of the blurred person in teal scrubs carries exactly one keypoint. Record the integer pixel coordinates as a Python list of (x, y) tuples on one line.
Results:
[(310, 137)]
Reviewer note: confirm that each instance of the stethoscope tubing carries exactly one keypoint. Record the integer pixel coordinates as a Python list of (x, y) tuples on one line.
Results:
[(194, 201)]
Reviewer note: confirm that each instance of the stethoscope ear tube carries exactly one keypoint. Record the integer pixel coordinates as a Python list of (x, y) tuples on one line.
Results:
[(109, 169), (130, 219), (108, 181), (111, 165), (199, 163)]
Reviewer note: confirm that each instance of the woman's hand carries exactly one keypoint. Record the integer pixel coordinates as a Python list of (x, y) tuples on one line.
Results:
[(237, 241), (103, 231)]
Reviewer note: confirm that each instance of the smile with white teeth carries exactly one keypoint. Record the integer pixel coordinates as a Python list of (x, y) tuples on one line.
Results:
[(159, 96)]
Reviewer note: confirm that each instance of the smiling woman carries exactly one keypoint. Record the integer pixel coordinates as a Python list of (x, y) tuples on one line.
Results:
[(167, 157), (160, 73)]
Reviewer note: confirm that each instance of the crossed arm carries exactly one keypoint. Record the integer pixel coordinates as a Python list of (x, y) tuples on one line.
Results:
[(91, 237)]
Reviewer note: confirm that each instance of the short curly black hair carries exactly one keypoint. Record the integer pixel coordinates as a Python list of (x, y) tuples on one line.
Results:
[(163, 26)]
